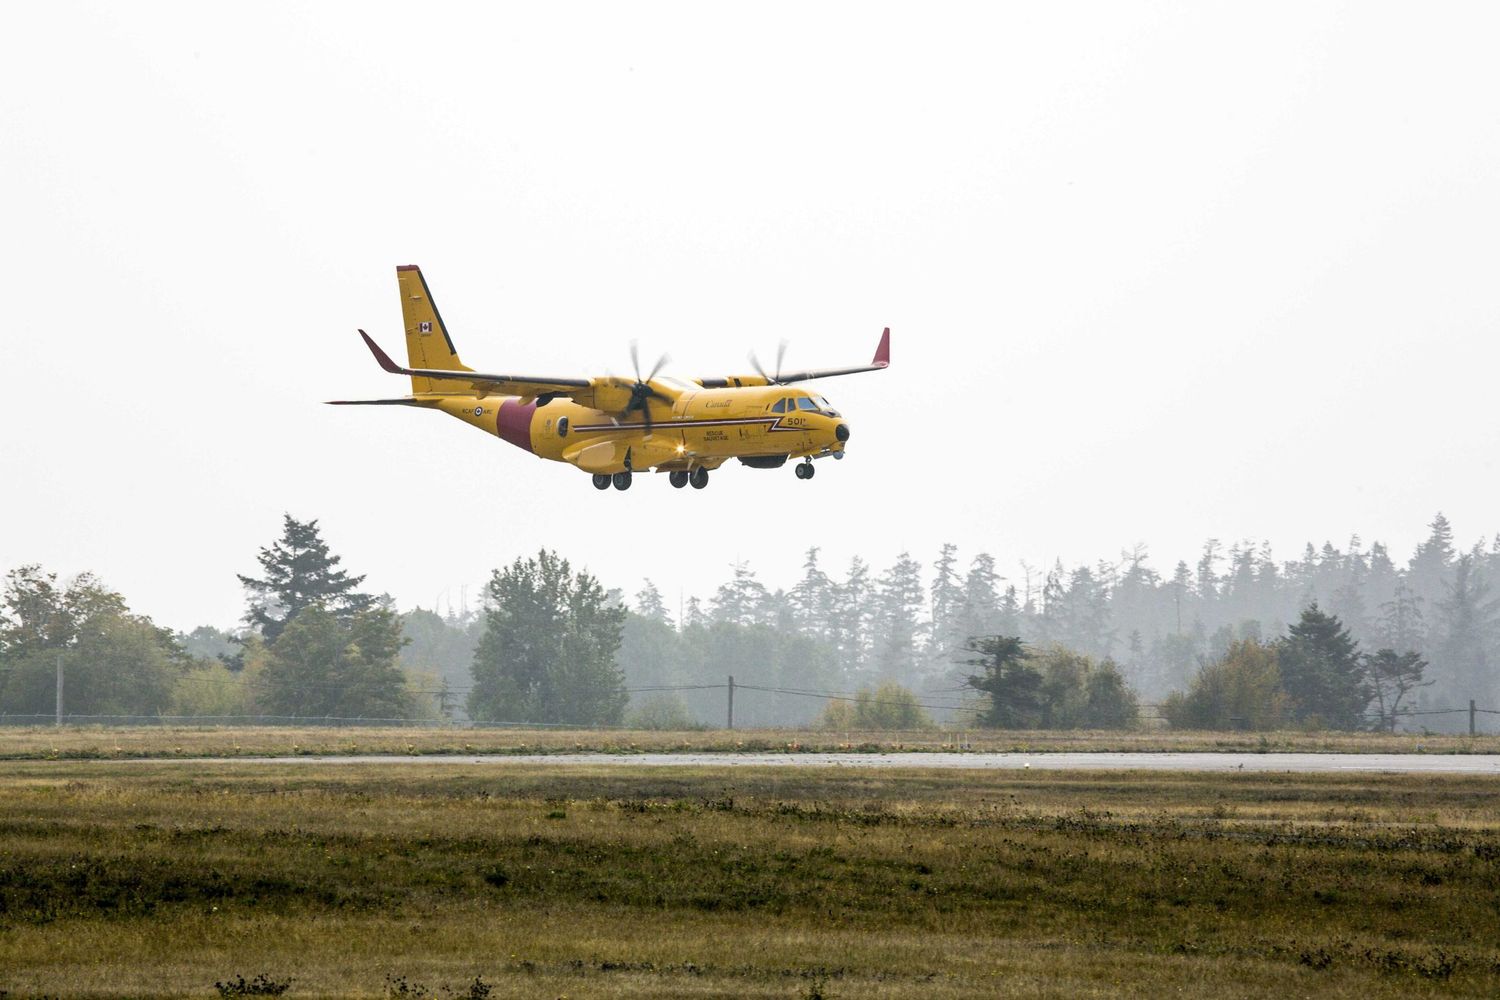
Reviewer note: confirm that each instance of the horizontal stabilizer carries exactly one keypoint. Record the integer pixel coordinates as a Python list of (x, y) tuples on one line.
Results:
[(399, 401)]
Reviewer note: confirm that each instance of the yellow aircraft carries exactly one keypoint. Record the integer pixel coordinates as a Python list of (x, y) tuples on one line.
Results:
[(614, 427)]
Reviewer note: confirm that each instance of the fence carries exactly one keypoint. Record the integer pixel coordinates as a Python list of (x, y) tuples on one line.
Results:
[(967, 713)]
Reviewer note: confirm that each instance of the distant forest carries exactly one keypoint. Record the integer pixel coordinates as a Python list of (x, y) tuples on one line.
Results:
[(855, 627), (1239, 639)]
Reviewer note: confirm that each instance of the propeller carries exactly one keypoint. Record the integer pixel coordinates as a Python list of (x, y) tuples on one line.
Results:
[(780, 355), (641, 392)]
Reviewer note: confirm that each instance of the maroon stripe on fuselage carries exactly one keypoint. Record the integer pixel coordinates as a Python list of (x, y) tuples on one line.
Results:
[(513, 422)]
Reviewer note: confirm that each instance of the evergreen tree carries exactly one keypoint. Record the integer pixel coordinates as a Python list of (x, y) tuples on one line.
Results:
[(323, 664), (1401, 626), (741, 601), (649, 605), (1012, 684), (848, 627), (1468, 619), (947, 602), (898, 601), (981, 613), (1321, 671), (300, 572), (812, 598), (548, 650)]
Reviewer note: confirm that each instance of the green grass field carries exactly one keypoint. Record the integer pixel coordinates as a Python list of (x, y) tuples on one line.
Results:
[(144, 879)]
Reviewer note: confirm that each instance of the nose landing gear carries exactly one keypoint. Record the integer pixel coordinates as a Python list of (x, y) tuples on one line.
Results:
[(805, 470)]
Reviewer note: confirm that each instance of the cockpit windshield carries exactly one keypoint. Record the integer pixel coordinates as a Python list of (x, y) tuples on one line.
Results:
[(803, 403)]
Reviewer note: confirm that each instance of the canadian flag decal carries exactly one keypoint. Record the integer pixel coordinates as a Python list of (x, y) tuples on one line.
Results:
[(424, 327)]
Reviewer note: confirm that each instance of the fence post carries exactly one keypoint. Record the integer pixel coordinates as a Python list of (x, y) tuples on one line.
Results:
[(1471, 716), (731, 701), (59, 689)]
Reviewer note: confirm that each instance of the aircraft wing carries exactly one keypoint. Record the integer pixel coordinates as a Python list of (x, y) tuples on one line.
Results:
[(882, 360), (486, 383)]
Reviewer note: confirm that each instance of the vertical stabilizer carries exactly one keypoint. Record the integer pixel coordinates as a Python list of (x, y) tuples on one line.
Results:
[(427, 342)]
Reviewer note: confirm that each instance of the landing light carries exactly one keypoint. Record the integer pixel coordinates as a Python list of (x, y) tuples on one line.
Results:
[(681, 448)]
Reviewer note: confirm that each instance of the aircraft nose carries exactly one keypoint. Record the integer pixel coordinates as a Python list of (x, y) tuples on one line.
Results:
[(841, 432)]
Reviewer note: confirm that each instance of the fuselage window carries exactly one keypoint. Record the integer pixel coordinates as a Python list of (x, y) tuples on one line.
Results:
[(803, 403), (779, 406), (562, 427)]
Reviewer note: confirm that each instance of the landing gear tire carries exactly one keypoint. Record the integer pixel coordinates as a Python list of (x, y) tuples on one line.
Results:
[(805, 470), (601, 481), (678, 479), (622, 480), (698, 478)]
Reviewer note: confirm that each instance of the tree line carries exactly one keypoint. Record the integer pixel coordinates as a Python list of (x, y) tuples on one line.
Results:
[(549, 643)]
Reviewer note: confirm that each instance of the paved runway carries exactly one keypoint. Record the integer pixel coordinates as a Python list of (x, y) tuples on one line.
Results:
[(1296, 762)]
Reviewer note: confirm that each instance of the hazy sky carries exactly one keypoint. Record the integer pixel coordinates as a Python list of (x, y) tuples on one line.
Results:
[(1154, 273)]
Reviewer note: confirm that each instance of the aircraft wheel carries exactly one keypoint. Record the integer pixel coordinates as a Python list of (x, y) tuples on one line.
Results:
[(678, 479), (805, 470), (622, 480), (601, 481), (699, 478)]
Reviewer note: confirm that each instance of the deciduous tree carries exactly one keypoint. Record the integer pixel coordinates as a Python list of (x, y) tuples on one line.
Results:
[(548, 649)]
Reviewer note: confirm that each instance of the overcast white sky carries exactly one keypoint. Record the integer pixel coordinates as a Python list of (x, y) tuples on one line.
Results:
[(1154, 272)]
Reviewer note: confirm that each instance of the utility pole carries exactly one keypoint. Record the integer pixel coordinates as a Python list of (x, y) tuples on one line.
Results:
[(1471, 716), (731, 703), (60, 695)]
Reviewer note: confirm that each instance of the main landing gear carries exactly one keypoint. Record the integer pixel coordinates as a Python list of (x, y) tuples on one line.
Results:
[(697, 479), (620, 480), (805, 469)]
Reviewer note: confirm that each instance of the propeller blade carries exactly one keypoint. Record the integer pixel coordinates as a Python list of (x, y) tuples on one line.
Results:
[(661, 363), (635, 359), (780, 356), (759, 370)]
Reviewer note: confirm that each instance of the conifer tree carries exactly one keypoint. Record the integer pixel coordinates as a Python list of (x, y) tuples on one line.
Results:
[(649, 605), (1321, 671), (743, 600), (1012, 684), (1469, 628), (300, 572), (812, 598), (898, 601), (946, 596)]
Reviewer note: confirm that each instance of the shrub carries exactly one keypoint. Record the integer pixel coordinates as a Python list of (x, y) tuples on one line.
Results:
[(661, 711), (889, 706), (1242, 690)]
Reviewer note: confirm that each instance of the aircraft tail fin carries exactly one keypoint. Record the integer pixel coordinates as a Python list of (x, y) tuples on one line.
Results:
[(427, 342)]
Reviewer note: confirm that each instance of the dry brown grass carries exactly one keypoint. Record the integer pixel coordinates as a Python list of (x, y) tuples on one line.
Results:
[(154, 880), (114, 742)]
